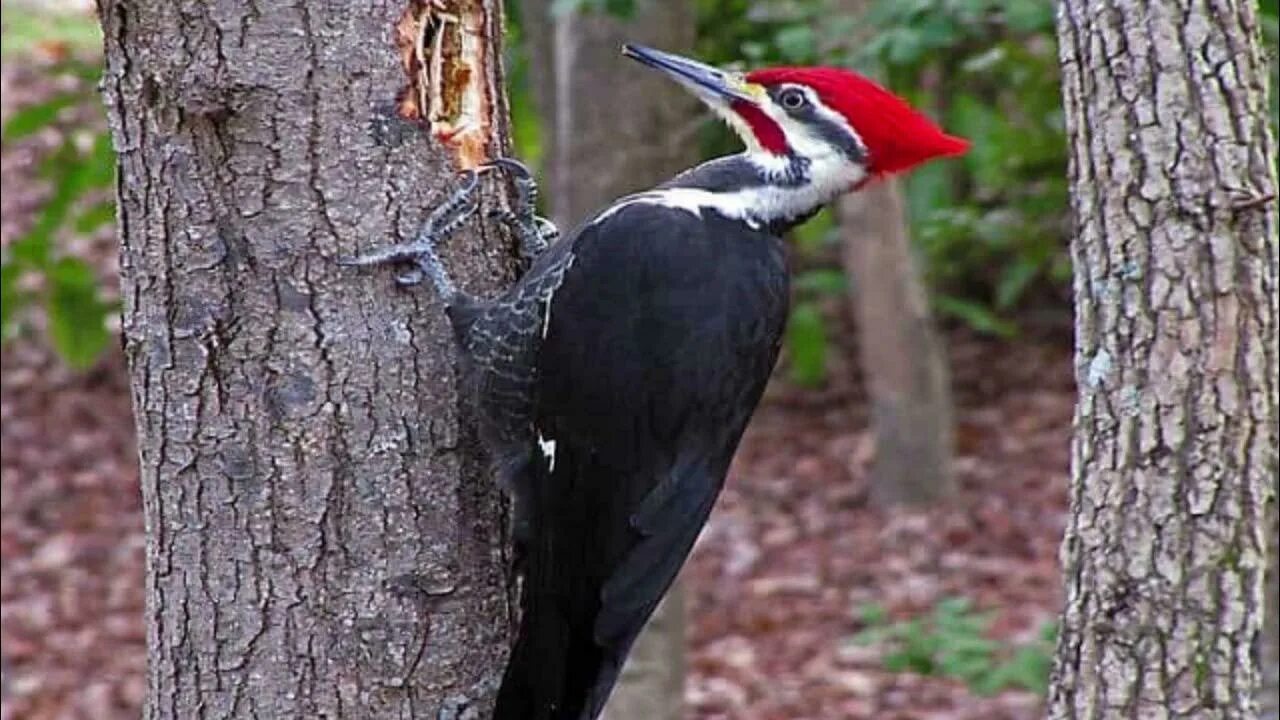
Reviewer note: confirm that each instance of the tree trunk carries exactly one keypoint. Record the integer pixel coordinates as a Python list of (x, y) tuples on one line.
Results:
[(1174, 455), (323, 536), (1269, 693), (612, 129), (902, 359)]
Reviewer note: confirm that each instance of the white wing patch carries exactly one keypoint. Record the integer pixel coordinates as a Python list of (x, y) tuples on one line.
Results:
[(548, 447)]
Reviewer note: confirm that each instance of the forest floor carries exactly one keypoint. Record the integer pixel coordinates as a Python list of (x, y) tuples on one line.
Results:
[(791, 554), (775, 589)]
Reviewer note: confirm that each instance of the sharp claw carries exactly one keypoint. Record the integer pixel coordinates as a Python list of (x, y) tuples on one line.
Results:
[(515, 167), (409, 278)]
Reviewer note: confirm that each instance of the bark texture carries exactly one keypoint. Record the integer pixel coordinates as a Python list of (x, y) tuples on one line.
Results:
[(1174, 455), (323, 536), (902, 358), (1269, 693), (613, 128)]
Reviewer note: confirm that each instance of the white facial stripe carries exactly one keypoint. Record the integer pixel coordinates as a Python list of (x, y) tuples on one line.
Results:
[(830, 172), (756, 206), (739, 126), (802, 138)]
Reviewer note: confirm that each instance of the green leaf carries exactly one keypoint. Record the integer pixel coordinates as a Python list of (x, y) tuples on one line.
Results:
[(821, 231), (953, 607), (977, 316), (807, 344), (796, 43), (1014, 281), (95, 216), (873, 614), (871, 636), (989, 133), (100, 164), (1029, 668), (623, 9), (34, 246), (1029, 16), (827, 281), (905, 46), (967, 667), (77, 314), (11, 297), (34, 118)]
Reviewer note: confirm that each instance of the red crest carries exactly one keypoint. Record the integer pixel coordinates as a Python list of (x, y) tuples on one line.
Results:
[(896, 135)]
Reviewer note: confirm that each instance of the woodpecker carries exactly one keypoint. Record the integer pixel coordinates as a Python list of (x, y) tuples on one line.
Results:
[(615, 378)]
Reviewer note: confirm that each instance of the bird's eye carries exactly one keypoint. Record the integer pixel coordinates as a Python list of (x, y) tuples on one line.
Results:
[(793, 99)]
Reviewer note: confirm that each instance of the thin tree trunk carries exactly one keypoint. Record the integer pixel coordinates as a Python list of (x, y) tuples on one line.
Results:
[(903, 361), (613, 129), (323, 536), (1174, 456)]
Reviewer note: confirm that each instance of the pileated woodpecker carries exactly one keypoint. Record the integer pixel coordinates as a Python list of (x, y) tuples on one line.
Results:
[(615, 378)]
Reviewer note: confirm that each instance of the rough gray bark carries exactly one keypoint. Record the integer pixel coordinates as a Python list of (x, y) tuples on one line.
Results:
[(902, 359), (323, 536), (613, 128), (1174, 455), (1269, 692)]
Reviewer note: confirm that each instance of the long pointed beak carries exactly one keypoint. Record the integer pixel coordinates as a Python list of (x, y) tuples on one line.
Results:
[(707, 82)]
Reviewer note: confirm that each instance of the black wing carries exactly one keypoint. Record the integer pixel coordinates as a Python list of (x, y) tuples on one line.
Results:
[(660, 340)]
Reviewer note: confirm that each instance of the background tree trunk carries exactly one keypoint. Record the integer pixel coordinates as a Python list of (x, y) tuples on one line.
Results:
[(323, 537), (1174, 456), (613, 128), (902, 360)]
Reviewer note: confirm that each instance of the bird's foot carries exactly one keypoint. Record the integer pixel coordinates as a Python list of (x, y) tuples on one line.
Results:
[(533, 232), (450, 215)]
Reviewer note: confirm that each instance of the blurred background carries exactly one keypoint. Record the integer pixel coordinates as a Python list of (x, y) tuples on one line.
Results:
[(887, 543)]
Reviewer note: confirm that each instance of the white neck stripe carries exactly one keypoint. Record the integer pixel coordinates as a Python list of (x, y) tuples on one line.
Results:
[(755, 205)]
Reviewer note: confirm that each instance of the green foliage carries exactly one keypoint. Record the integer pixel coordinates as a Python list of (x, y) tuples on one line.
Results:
[(526, 125), (952, 642), (991, 227), (76, 312), (617, 8), (1269, 16), (77, 171), (807, 343)]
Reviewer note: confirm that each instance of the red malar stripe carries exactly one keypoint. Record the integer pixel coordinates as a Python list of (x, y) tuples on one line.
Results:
[(767, 132)]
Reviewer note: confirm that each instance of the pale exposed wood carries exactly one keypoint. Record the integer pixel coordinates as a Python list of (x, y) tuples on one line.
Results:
[(1174, 455), (323, 535)]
